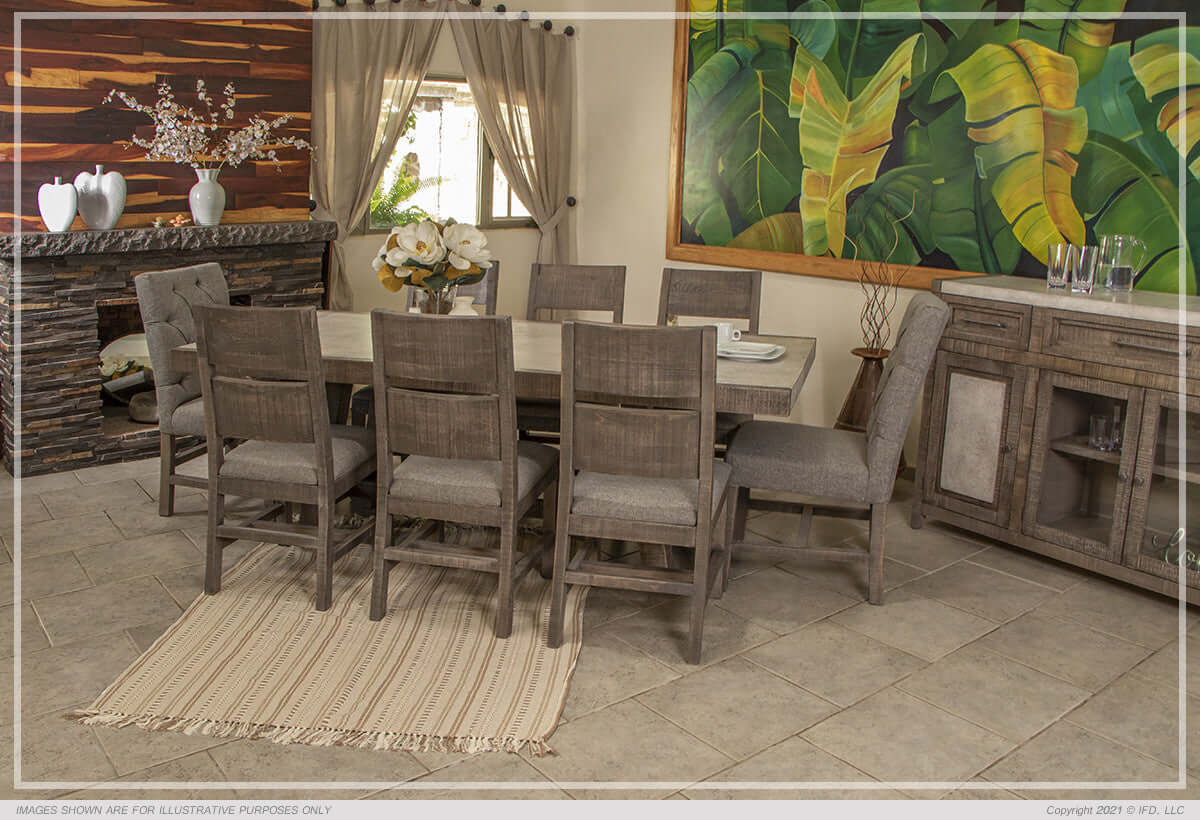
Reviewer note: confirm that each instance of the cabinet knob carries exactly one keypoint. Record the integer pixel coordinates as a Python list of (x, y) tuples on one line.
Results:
[(1121, 477), (1007, 448), (1138, 481)]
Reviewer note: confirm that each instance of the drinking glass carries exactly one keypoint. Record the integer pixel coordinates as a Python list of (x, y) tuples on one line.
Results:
[(1060, 260), (1084, 272), (1100, 432), (1120, 257)]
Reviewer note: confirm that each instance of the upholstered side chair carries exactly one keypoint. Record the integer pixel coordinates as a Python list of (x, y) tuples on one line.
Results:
[(263, 383), (855, 472), (166, 300)]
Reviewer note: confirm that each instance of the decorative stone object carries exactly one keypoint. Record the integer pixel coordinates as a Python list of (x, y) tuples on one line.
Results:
[(143, 408), (56, 204), (207, 198), (101, 198)]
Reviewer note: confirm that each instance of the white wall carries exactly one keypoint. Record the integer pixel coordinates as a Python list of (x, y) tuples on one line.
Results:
[(623, 145)]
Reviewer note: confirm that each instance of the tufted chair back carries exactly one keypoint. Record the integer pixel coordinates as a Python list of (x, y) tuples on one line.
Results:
[(166, 299), (899, 388)]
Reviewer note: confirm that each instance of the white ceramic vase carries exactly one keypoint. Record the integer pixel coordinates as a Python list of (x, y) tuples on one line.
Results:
[(56, 203), (100, 198), (207, 198), (463, 306)]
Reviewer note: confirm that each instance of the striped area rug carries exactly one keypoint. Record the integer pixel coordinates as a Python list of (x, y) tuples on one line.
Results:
[(257, 661)]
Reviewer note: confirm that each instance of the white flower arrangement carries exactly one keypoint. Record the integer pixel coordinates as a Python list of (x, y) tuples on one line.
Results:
[(188, 137), (431, 255)]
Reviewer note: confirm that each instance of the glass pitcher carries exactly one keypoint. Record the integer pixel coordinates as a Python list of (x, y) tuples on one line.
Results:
[(1121, 256)]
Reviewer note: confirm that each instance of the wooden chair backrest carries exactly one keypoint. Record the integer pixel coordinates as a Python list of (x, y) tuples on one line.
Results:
[(261, 373), (715, 294), (639, 401), (484, 291), (576, 287), (444, 386)]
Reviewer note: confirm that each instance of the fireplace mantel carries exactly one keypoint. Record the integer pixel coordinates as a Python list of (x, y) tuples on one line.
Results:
[(152, 240), (72, 283)]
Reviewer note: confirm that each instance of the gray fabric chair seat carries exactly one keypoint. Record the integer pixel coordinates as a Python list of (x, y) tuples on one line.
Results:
[(296, 463), (469, 482), (637, 498), (818, 461), (187, 420)]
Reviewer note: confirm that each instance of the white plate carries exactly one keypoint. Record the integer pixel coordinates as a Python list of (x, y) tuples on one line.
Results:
[(750, 351)]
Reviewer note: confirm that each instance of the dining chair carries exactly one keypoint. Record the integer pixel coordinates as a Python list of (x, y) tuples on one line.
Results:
[(484, 293), (444, 399), (636, 463), (713, 294), (854, 471), (263, 383), (567, 288), (166, 300)]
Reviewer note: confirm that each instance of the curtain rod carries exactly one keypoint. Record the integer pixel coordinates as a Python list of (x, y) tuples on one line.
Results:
[(499, 8)]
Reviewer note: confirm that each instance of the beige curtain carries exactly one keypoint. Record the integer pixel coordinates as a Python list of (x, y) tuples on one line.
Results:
[(366, 71), (523, 82)]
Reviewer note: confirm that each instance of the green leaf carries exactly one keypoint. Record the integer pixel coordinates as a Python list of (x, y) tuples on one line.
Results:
[(971, 228), (1156, 68), (783, 233), (1083, 40), (1120, 191), (815, 35), (893, 213), (708, 33), (865, 44), (1020, 104)]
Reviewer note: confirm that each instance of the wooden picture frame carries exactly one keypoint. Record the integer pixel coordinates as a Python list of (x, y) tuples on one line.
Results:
[(917, 278)]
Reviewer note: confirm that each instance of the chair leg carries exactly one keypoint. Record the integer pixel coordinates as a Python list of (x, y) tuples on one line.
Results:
[(324, 554), (699, 597), (504, 604), (379, 582), (875, 569), (214, 545), (166, 472), (562, 555), (916, 518), (722, 581), (549, 514), (740, 496)]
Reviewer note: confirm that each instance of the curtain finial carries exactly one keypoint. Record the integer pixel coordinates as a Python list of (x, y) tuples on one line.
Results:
[(547, 25), (341, 3), (500, 9), (569, 31), (571, 201)]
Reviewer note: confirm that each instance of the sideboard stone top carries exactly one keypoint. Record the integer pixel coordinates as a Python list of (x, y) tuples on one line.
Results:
[(1147, 306), (143, 240)]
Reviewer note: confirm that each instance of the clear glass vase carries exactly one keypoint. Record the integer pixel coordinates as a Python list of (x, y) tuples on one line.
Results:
[(438, 302)]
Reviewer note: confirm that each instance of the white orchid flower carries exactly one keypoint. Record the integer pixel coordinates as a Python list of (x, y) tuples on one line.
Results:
[(420, 242), (466, 245)]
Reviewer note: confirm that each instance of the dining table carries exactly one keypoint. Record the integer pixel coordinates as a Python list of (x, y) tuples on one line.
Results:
[(743, 386)]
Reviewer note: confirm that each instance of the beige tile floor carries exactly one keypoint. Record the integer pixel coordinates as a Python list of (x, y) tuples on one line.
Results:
[(986, 664)]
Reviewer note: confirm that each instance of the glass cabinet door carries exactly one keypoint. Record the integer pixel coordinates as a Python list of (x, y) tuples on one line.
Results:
[(1083, 453), (1159, 537)]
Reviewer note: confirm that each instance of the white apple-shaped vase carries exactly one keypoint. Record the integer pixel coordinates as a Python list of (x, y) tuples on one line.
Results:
[(56, 203), (101, 198)]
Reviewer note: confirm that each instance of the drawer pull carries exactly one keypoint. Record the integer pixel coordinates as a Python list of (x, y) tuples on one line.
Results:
[(1169, 351), (966, 320)]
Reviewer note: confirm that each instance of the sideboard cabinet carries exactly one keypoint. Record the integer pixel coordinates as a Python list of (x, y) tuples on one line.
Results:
[(1006, 445)]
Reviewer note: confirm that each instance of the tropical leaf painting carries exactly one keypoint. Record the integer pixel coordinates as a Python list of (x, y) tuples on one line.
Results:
[(887, 129)]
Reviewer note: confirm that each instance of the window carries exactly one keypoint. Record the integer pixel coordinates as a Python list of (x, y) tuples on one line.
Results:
[(443, 168)]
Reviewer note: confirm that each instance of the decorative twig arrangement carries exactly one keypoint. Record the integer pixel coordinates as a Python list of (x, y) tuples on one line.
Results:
[(880, 282)]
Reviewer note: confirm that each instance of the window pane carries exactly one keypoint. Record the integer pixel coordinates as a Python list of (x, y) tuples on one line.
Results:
[(504, 202), (434, 170)]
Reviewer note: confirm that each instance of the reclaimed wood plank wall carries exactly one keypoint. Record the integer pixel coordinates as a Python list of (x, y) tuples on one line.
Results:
[(69, 64)]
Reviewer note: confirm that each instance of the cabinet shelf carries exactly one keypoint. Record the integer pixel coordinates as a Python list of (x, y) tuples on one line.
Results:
[(1096, 528), (1176, 474), (1077, 446)]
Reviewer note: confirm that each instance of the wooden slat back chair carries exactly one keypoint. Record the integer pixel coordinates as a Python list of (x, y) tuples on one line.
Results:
[(636, 461), (854, 471), (554, 289), (166, 299), (444, 398), (483, 292), (713, 294), (576, 288), (263, 383)]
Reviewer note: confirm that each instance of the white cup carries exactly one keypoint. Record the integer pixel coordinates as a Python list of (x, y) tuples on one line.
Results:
[(727, 333)]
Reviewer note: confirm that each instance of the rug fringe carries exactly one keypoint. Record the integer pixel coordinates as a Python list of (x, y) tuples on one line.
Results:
[(354, 738)]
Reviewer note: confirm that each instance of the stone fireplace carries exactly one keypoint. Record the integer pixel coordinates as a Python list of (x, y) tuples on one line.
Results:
[(76, 294)]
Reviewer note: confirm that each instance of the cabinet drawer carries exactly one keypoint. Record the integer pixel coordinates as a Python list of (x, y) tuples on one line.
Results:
[(1150, 346), (988, 322)]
